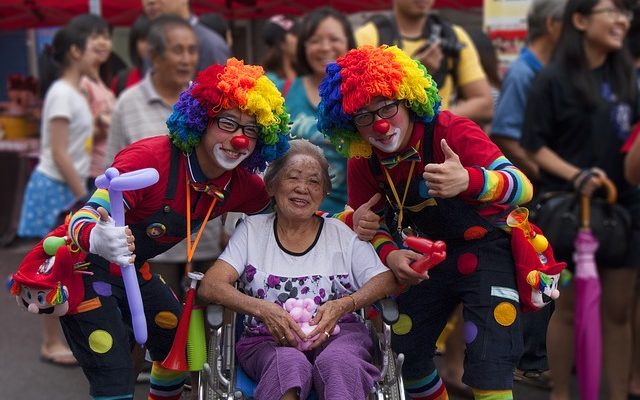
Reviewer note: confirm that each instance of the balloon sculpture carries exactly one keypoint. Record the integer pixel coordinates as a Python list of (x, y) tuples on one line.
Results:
[(116, 184), (302, 310), (433, 252)]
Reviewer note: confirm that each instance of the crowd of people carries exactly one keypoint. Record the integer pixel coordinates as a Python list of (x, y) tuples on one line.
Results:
[(338, 145)]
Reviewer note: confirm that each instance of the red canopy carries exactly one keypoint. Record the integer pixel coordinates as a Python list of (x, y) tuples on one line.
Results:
[(21, 14)]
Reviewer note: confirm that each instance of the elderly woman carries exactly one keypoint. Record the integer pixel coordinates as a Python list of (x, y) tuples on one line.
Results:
[(293, 253)]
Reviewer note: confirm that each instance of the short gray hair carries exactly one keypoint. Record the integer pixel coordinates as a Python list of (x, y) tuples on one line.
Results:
[(157, 38), (539, 11), (298, 147)]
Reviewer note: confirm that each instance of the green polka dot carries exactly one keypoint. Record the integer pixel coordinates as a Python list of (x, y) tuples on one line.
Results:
[(403, 326), (100, 341)]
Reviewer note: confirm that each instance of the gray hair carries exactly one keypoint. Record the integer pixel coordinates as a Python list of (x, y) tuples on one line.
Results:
[(298, 147), (157, 38), (539, 12)]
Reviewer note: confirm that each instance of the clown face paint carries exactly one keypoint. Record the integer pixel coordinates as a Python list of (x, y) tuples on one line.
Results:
[(221, 149), (398, 127), (388, 142), (35, 301)]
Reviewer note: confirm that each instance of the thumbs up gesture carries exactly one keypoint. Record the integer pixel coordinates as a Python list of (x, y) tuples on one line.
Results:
[(447, 179), (365, 221)]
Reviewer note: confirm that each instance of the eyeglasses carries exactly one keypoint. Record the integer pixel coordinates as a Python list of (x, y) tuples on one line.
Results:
[(231, 126), (386, 111), (613, 12)]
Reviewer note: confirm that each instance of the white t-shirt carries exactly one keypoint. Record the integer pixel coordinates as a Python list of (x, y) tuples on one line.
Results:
[(63, 101), (337, 264)]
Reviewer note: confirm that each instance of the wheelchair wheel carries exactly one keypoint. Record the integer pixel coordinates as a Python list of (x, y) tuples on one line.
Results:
[(393, 386)]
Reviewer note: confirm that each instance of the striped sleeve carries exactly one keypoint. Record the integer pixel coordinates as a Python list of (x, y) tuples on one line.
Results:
[(83, 220), (501, 182), (345, 216)]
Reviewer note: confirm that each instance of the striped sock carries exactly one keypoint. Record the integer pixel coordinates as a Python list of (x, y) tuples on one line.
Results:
[(492, 394), (165, 384), (122, 397), (430, 387)]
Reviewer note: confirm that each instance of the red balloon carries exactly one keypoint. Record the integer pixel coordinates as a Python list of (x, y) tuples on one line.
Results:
[(381, 126), (240, 142)]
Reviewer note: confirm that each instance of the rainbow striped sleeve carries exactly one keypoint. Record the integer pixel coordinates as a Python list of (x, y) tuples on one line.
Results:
[(505, 184), (345, 216), (83, 220)]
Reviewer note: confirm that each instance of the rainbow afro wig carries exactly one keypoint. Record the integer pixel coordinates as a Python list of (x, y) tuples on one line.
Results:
[(359, 76), (225, 87)]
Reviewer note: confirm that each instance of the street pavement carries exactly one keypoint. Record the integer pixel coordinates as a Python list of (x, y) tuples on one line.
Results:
[(24, 376)]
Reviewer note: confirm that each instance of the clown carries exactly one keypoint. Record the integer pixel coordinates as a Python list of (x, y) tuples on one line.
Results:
[(49, 279), (225, 127), (440, 177)]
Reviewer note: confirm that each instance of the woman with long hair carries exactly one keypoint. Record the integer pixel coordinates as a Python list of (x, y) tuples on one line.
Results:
[(578, 116)]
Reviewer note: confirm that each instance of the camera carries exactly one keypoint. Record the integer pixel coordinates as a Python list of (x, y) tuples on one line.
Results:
[(448, 46)]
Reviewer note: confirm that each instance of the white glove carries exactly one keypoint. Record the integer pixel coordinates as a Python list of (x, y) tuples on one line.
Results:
[(110, 242)]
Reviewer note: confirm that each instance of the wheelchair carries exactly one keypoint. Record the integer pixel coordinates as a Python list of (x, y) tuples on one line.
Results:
[(222, 379)]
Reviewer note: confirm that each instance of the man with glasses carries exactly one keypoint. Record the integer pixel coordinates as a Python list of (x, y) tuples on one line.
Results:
[(207, 166), (440, 177)]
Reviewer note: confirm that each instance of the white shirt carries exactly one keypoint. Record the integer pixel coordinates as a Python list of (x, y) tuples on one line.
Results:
[(64, 101)]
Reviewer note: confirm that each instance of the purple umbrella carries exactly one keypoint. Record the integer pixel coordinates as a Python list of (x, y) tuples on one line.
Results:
[(588, 337)]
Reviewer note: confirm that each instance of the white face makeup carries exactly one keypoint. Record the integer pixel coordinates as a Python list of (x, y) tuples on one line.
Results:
[(229, 158), (389, 143)]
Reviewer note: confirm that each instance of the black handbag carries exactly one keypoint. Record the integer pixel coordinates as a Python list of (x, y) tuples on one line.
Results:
[(558, 215)]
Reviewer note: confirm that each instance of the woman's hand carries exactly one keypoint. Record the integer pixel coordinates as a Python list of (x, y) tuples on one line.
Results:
[(326, 318), (281, 325), (399, 261), (589, 180)]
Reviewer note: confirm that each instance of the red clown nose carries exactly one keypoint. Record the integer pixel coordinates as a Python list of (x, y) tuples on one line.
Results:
[(381, 126), (240, 142)]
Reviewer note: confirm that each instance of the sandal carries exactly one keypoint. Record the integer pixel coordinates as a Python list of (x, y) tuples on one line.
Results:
[(540, 379)]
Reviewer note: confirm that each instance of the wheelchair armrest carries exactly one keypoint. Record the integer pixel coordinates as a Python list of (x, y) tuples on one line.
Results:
[(215, 315), (388, 310)]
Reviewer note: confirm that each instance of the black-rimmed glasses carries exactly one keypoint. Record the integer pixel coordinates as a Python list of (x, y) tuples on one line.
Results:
[(231, 126), (386, 111), (613, 12)]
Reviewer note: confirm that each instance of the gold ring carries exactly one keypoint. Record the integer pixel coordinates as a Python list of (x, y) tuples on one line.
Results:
[(327, 334)]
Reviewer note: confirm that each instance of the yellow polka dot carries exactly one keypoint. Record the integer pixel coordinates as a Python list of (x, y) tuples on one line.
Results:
[(403, 325), (100, 341), (505, 313), (166, 320)]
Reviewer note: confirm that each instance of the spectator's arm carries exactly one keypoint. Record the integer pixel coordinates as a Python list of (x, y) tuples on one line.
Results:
[(59, 128)]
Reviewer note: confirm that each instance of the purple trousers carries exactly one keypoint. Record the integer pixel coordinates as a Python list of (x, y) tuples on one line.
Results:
[(340, 369)]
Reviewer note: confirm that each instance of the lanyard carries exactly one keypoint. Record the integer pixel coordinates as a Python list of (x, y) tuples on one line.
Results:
[(191, 248), (406, 190)]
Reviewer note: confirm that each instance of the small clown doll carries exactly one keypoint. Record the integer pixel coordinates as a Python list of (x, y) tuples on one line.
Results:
[(49, 279)]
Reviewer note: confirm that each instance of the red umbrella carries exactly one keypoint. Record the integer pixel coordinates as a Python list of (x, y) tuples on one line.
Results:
[(588, 336)]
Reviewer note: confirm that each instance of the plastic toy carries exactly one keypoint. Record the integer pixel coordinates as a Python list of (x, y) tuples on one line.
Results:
[(537, 271), (302, 310), (116, 184), (433, 252), (49, 279)]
